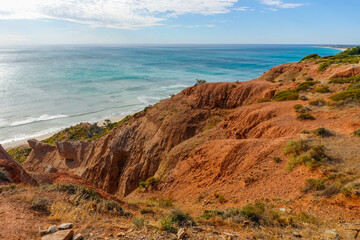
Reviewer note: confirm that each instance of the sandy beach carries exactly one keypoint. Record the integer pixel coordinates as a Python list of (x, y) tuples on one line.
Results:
[(23, 142)]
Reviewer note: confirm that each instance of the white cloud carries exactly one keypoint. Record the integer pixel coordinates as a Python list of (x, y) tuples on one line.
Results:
[(122, 14), (281, 4)]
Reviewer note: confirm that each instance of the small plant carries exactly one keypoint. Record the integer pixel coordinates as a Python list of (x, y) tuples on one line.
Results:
[(357, 132), (305, 132), (323, 89), (181, 219), (168, 225), (322, 132), (114, 207), (286, 96), (4, 175), (40, 205), (318, 102), (298, 107), (262, 100), (349, 94), (305, 116), (306, 85), (303, 98), (151, 182), (139, 223), (147, 211), (20, 154), (276, 159), (309, 79), (220, 198), (311, 57), (314, 185), (199, 82)]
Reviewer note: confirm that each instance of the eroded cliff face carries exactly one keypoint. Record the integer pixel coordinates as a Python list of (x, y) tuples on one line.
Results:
[(208, 138), (13, 170)]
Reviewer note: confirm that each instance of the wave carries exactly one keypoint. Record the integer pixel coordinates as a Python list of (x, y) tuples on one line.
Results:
[(44, 117), (21, 137), (145, 99), (177, 86)]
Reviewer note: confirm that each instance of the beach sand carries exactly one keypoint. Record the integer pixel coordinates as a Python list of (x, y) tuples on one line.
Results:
[(23, 142)]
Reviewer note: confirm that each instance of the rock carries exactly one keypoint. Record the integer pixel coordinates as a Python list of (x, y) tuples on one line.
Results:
[(60, 235), (181, 233), (43, 232), (296, 234), (66, 226), (120, 234), (50, 169), (78, 237), (331, 234), (230, 235), (52, 229)]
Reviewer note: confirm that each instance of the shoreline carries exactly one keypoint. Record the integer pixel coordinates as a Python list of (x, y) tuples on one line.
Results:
[(334, 47), (23, 142)]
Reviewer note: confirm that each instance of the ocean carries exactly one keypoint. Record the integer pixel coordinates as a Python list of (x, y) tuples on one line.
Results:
[(44, 89)]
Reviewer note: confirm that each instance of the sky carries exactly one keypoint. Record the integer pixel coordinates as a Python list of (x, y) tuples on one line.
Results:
[(179, 22)]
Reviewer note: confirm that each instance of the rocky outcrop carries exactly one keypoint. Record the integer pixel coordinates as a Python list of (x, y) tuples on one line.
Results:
[(14, 171)]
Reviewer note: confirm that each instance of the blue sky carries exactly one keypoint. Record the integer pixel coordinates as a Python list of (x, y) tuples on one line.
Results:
[(179, 21)]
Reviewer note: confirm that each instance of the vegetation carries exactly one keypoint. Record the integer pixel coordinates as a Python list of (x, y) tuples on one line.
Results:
[(318, 102), (348, 56), (199, 82), (176, 219), (288, 95), (262, 100), (139, 223), (353, 79), (357, 132), (85, 131), (3, 175), (151, 182), (322, 132), (20, 154), (305, 116), (300, 152), (323, 89), (311, 57), (276, 159), (41, 205), (314, 184), (220, 198), (349, 94), (306, 85)]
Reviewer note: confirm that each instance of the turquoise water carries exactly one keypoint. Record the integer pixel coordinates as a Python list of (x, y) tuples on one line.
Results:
[(44, 89)]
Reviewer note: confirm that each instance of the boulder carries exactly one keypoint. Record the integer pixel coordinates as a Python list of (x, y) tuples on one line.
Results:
[(331, 234), (52, 229), (66, 226), (78, 237), (59, 235)]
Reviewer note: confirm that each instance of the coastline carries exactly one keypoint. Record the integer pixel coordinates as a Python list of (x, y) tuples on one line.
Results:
[(23, 142), (334, 47)]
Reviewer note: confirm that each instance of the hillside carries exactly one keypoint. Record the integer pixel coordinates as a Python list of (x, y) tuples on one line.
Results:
[(289, 139)]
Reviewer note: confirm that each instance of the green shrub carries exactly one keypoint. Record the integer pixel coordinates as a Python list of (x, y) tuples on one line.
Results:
[(295, 147), (324, 65), (357, 132), (300, 152), (220, 198), (304, 217), (20, 154), (181, 219), (305, 132), (303, 98), (314, 185), (309, 79), (306, 85), (305, 116), (168, 225), (322, 132), (151, 182), (353, 79), (139, 223), (323, 89), (276, 159), (286, 96), (353, 94), (318, 102), (41, 205), (199, 82), (4, 175), (311, 57), (147, 211), (114, 207), (298, 107), (262, 100)]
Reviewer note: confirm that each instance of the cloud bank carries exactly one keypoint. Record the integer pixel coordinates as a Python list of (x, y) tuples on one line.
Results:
[(120, 14), (280, 4)]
